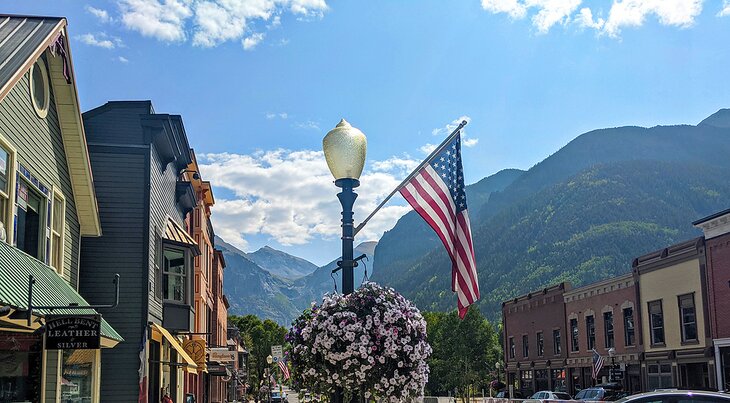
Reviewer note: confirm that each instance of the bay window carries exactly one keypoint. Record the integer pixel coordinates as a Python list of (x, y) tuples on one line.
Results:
[(175, 264)]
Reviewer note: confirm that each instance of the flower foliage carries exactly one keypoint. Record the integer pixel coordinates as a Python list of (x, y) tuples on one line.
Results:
[(372, 341)]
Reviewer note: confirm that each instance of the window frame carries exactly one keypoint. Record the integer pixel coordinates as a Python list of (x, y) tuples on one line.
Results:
[(9, 196), (574, 335), (591, 332), (682, 324), (44, 233), (657, 302), (58, 196), (557, 347), (512, 348), (525, 346), (41, 112), (609, 334), (628, 328), (540, 344), (188, 299)]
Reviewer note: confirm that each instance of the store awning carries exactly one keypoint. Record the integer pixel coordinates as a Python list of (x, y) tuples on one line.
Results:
[(49, 289), (188, 362), (176, 234)]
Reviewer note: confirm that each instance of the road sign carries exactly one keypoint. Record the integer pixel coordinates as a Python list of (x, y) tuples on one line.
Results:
[(277, 352)]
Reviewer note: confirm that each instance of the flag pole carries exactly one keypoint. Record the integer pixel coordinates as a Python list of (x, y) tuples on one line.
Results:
[(428, 159)]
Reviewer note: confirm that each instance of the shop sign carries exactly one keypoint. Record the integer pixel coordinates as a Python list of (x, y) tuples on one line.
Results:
[(73, 332), (196, 350), (221, 355)]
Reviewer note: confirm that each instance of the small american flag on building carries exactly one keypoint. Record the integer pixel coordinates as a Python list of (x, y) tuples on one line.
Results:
[(597, 363), (437, 193), (284, 369)]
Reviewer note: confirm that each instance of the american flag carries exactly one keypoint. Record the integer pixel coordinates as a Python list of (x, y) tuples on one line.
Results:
[(284, 369), (437, 193), (597, 363)]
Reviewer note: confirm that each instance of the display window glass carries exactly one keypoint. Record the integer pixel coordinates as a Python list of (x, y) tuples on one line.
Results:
[(21, 364)]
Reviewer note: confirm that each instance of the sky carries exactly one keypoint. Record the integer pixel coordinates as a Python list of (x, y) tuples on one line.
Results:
[(260, 82)]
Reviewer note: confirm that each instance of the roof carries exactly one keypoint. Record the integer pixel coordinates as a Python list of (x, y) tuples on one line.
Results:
[(711, 217), (178, 235), (23, 40), (20, 38), (669, 256), (52, 290)]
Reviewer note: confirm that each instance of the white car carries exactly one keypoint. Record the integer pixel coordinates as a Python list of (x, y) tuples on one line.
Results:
[(547, 395), (677, 396)]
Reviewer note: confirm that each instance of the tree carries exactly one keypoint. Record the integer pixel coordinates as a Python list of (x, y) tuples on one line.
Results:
[(464, 352), (262, 335)]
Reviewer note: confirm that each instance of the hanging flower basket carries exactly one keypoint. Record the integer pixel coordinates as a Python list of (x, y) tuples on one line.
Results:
[(371, 342)]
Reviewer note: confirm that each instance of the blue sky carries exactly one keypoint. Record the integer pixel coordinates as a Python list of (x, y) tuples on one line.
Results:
[(259, 83)]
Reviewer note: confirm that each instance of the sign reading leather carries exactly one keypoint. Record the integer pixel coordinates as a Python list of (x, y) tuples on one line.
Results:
[(73, 332)]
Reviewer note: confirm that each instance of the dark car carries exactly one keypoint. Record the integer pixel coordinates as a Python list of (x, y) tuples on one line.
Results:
[(677, 396), (505, 395), (600, 394)]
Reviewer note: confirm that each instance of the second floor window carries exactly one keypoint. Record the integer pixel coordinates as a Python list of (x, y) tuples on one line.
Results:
[(574, 335), (629, 332), (556, 341), (175, 276), (6, 172), (511, 347), (58, 218), (656, 322), (591, 332), (31, 224), (688, 317), (525, 346), (608, 329), (540, 344)]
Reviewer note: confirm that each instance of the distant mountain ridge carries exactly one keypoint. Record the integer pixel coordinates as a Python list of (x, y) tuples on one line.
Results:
[(280, 263)]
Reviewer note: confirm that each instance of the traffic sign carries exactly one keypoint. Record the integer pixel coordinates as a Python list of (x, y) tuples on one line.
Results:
[(277, 352)]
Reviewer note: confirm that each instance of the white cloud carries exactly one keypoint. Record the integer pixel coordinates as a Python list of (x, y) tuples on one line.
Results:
[(470, 142), (632, 13), (428, 147), (250, 42), (308, 125), (123, 59), (160, 19), (448, 129), (623, 13), (101, 41), (280, 115), (211, 22), (548, 12), (101, 15), (290, 196), (725, 9)]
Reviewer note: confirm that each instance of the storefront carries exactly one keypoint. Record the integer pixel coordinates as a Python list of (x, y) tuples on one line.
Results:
[(168, 365)]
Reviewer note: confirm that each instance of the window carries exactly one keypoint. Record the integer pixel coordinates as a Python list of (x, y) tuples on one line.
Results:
[(58, 219), (526, 380), (7, 165), (656, 322), (688, 317), (608, 329), (591, 332), (629, 334), (78, 372), (556, 341), (174, 270), (525, 346), (574, 335), (511, 347), (660, 376), (40, 92), (540, 344), (157, 286), (30, 236)]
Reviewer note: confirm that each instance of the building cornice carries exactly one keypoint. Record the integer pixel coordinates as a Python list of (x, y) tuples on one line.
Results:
[(714, 225)]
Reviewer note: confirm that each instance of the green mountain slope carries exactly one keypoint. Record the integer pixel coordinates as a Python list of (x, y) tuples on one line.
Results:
[(280, 263)]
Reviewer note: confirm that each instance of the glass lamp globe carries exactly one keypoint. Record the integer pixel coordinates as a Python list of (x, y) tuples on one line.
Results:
[(344, 149)]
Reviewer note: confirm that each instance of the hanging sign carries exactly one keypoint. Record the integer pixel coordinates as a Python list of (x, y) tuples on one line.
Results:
[(221, 355), (196, 350), (73, 332)]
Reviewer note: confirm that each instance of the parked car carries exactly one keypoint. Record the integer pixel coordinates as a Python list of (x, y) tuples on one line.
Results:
[(677, 396), (277, 397), (599, 393), (548, 395), (505, 395)]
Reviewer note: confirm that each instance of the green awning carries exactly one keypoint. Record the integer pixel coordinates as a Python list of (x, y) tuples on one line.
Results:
[(49, 288)]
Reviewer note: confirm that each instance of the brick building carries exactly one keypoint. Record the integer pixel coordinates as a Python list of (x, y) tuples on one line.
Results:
[(716, 229), (535, 340), (602, 316), (674, 310)]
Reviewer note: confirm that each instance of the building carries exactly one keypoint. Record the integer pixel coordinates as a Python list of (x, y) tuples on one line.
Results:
[(238, 386), (48, 209), (716, 229), (535, 340), (219, 331), (139, 158), (602, 317), (672, 296)]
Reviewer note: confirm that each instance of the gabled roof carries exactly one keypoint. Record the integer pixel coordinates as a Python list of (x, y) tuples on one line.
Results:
[(23, 40)]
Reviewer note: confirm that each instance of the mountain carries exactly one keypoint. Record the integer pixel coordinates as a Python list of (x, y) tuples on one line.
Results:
[(580, 215), (280, 263), (411, 238)]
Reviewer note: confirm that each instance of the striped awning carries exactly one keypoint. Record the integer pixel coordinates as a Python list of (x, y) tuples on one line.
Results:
[(177, 234)]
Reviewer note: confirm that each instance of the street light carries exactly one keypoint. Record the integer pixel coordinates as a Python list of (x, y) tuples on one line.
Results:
[(612, 354), (344, 149)]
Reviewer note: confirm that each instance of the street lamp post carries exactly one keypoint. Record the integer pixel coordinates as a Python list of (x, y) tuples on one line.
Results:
[(344, 149), (612, 354)]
